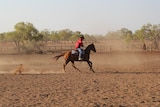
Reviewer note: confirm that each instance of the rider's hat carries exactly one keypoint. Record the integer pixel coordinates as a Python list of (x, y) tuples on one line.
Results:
[(81, 36)]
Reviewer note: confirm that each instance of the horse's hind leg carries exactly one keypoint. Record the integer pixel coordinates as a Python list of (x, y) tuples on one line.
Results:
[(75, 66), (90, 65), (64, 65)]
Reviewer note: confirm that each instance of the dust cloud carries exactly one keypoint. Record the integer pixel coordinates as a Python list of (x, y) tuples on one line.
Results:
[(111, 56)]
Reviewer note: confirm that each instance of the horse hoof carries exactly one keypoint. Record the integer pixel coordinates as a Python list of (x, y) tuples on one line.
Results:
[(93, 71)]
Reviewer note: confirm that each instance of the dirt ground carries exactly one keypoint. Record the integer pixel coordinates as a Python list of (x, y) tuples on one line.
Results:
[(122, 79)]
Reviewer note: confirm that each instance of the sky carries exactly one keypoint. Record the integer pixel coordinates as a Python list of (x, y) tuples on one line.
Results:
[(96, 17)]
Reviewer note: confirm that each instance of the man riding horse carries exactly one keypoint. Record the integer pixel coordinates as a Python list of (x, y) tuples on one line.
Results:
[(79, 47), (85, 54)]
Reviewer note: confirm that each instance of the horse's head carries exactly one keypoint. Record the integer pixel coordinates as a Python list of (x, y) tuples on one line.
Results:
[(92, 47)]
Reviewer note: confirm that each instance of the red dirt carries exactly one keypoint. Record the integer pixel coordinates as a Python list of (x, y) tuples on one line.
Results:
[(121, 80)]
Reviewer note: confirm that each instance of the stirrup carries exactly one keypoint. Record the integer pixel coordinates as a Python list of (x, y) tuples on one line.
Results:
[(80, 59)]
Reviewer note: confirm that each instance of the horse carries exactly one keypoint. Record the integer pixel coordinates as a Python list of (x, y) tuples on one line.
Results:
[(70, 57)]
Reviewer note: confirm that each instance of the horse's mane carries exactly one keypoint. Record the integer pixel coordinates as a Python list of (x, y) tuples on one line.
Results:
[(89, 46)]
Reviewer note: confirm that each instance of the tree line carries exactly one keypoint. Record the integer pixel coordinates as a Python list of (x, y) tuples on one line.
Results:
[(147, 32), (27, 37)]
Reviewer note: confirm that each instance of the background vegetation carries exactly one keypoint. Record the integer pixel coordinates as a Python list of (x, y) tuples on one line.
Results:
[(27, 37)]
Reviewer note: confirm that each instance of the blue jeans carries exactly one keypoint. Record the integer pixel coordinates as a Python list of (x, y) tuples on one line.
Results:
[(81, 52)]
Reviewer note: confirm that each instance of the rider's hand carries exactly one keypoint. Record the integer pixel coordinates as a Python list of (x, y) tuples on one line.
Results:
[(83, 47)]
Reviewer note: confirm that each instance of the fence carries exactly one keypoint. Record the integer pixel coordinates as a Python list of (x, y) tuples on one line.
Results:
[(101, 46), (13, 50), (57, 48)]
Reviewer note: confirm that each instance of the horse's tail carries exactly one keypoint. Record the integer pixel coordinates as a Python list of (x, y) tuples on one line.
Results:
[(58, 56)]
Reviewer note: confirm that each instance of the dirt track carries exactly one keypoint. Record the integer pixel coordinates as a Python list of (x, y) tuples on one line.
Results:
[(121, 80)]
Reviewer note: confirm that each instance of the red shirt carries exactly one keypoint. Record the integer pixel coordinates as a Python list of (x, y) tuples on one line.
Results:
[(79, 43)]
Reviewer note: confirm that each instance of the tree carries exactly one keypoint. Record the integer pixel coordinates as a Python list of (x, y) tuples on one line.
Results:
[(149, 32), (16, 38), (27, 30), (121, 34), (126, 34), (2, 36), (155, 30), (25, 36), (75, 35), (112, 35), (65, 34)]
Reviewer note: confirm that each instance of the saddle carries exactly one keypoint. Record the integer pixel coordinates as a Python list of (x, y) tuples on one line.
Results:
[(74, 52)]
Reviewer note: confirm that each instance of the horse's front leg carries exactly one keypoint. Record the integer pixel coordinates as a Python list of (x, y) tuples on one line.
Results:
[(90, 65)]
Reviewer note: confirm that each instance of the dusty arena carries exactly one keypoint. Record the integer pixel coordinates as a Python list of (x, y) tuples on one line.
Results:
[(121, 79)]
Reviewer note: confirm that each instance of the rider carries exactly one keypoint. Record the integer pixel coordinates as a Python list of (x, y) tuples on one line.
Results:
[(79, 45)]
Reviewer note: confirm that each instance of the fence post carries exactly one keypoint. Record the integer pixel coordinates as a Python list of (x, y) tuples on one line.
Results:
[(55, 48), (151, 47), (61, 48), (109, 48)]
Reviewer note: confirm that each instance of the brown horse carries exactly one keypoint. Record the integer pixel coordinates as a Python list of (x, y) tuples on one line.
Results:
[(69, 57)]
